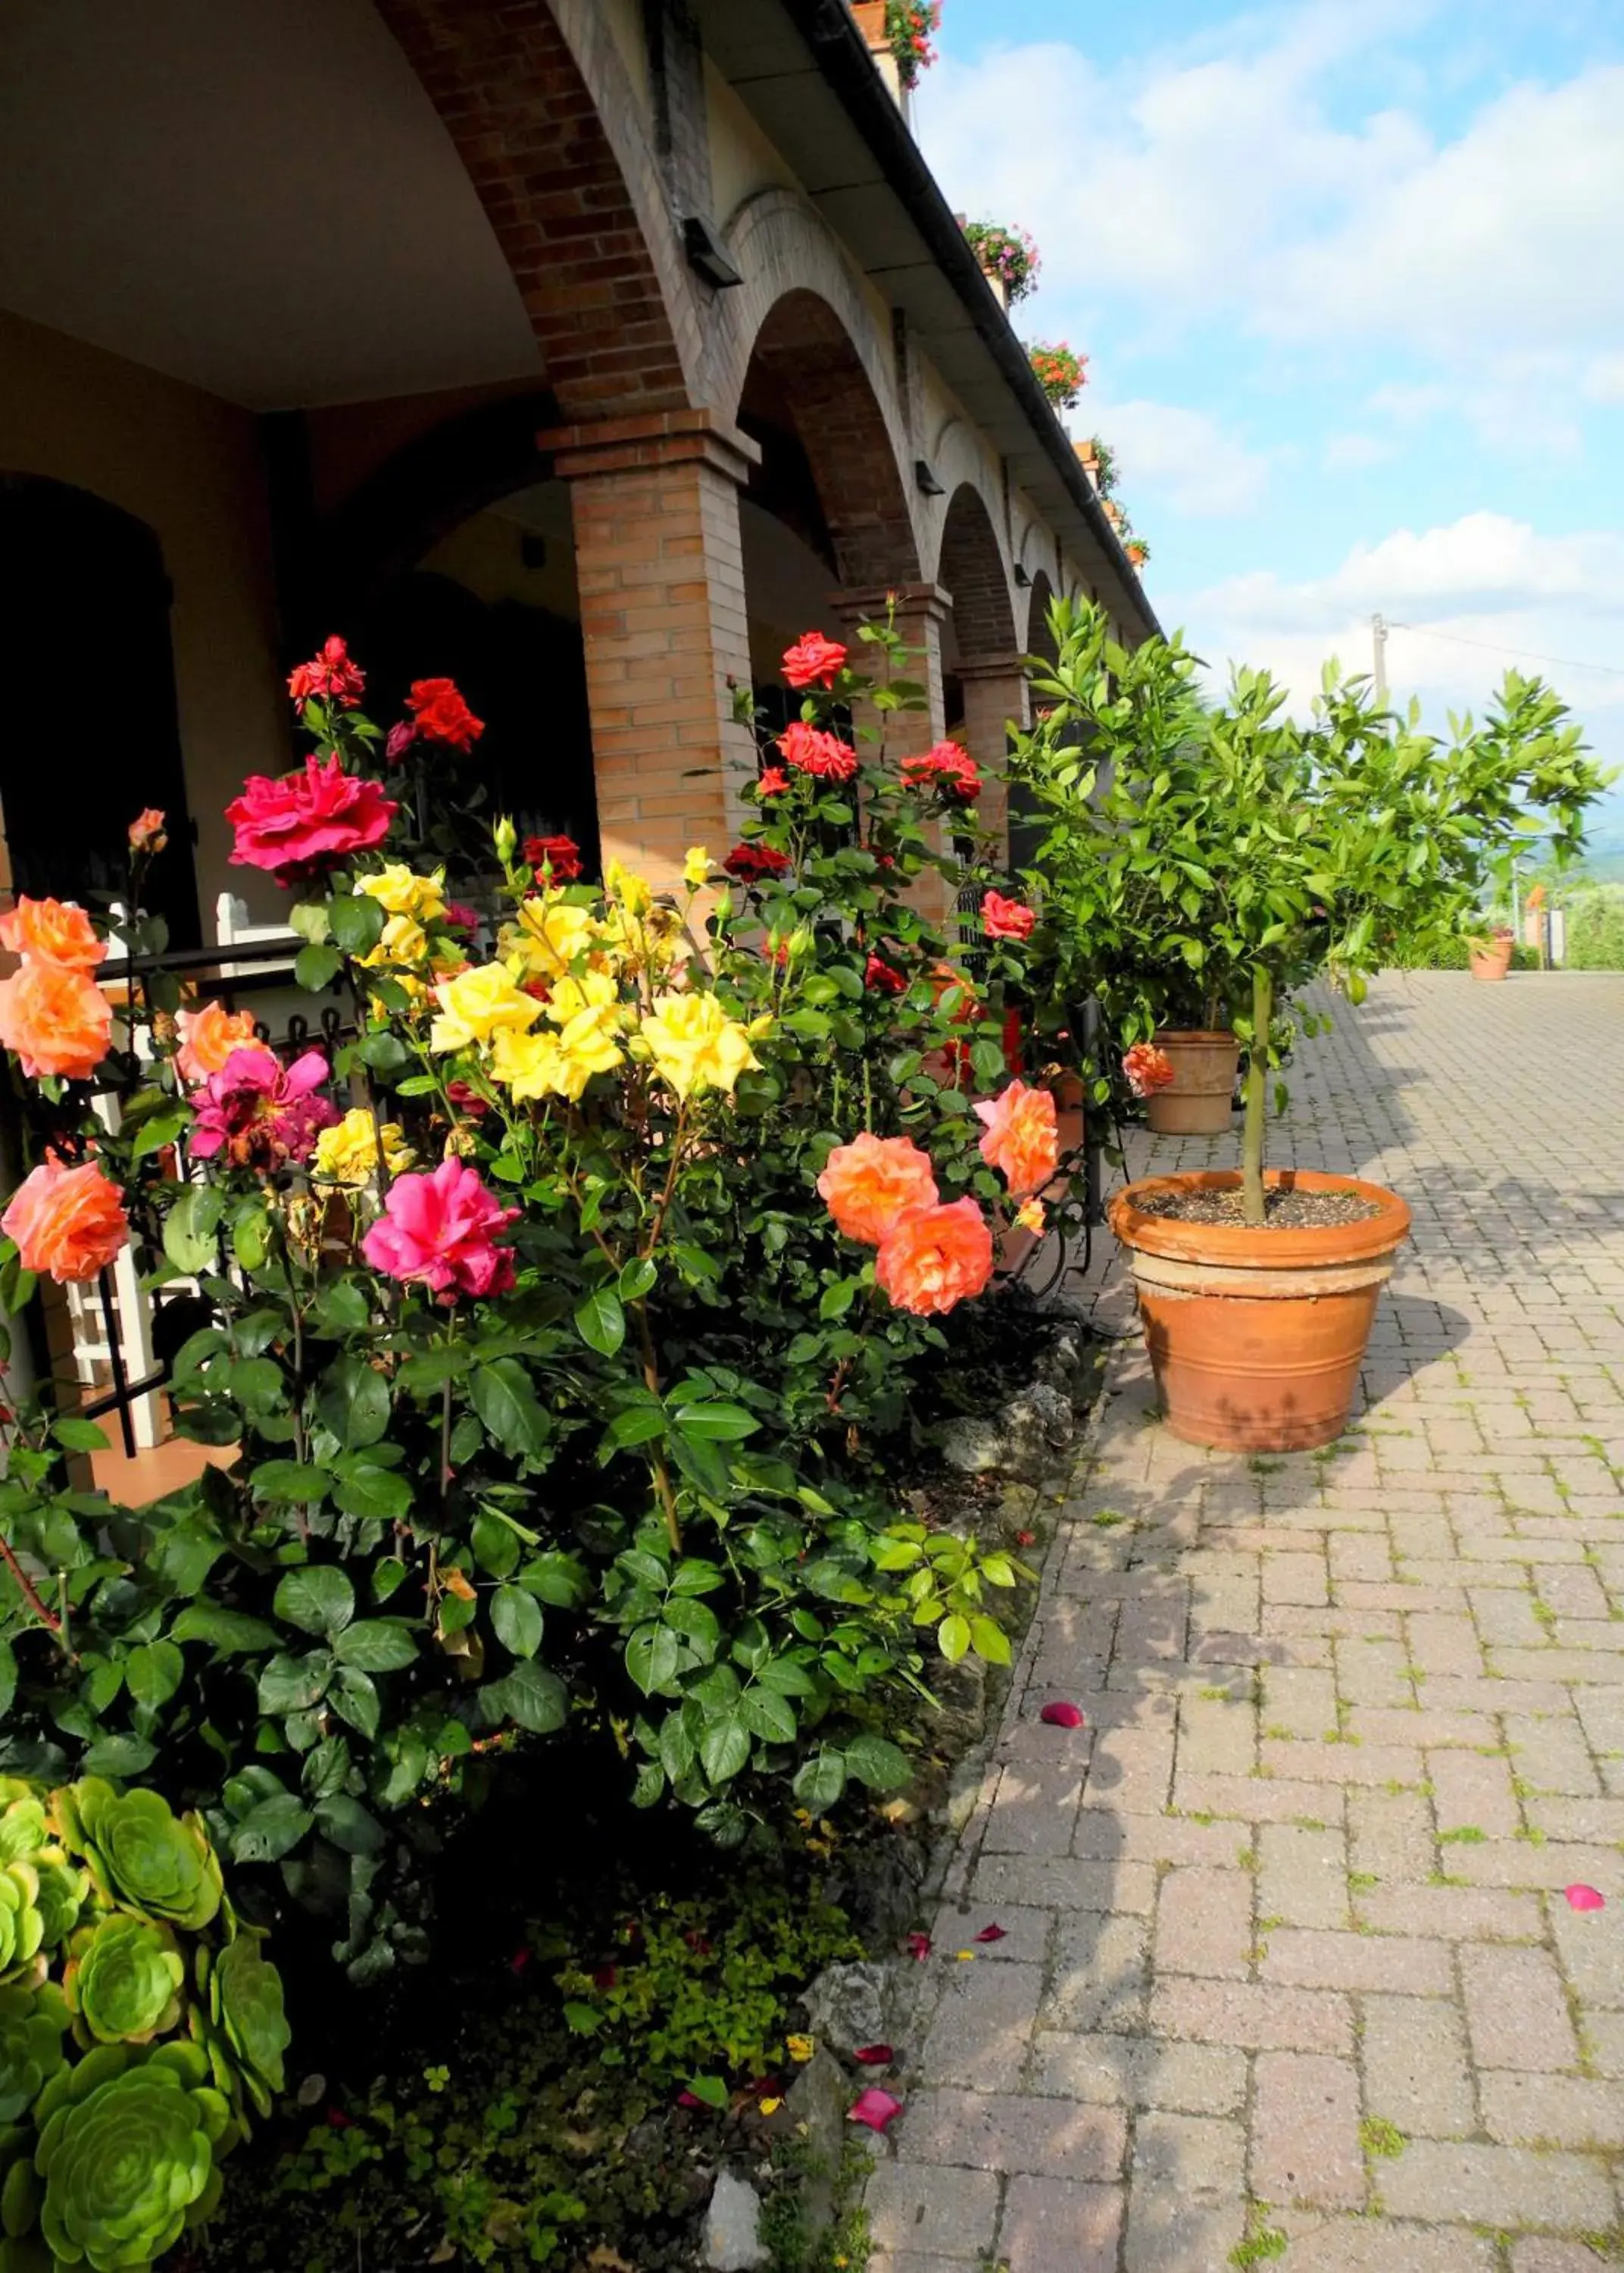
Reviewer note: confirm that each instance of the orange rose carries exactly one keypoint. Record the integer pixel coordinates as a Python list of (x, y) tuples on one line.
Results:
[(52, 931), (56, 1020), (1020, 1139), (868, 1182), (146, 830), (932, 1257), (68, 1223), (208, 1036)]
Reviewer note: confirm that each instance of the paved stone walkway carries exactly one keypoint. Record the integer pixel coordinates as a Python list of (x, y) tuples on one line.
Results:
[(1289, 1973)]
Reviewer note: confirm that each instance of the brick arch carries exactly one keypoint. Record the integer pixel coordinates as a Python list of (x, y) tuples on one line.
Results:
[(805, 389), (1039, 639), (972, 569), (537, 101)]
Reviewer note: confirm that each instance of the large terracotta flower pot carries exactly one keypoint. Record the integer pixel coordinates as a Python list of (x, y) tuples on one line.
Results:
[(1256, 1337), (1197, 1102), (1493, 960)]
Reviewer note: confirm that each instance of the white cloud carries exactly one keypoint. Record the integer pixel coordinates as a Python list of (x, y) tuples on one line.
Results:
[(1167, 453), (1351, 452)]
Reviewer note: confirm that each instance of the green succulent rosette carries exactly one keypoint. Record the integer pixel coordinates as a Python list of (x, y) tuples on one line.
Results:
[(22, 1822), (123, 1980), (140, 1853), (32, 2023), (22, 1925), (64, 1891), (127, 2154), (245, 2008)]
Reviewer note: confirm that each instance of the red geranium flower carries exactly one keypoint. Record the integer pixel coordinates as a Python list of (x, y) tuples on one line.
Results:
[(296, 826), (441, 715), (331, 675), (561, 854), (1003, 918), (814, 660), (946, 768), (811, 751), (750, 863), (881, 979)]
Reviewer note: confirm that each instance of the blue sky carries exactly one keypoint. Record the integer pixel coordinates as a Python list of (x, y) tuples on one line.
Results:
[(1351, 280)]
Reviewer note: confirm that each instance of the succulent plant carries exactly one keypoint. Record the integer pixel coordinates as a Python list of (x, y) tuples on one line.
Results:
[(127, 2154), (245, 2005), (22, 1820), (122, 1980), (140, 1853), (32, 2022), (22, 1925)]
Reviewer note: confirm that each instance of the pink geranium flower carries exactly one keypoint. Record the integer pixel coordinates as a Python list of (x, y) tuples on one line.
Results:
[(300, 824), (440, 1231), (260, 1112)]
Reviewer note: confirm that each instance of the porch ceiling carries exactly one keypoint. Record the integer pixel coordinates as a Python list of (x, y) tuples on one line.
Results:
[(255, 196), (801, 68)]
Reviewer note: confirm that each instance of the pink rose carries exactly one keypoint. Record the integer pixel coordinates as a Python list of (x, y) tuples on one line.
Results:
[(440, 1231), (260, 1112), (299, 825)]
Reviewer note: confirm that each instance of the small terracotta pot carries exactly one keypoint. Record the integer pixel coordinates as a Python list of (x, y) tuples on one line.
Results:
[(1256, 1337), (1493, 961), (1198, 1100), (871, 15)]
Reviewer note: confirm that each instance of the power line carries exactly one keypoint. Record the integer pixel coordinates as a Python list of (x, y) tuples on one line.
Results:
[(1496, 647)]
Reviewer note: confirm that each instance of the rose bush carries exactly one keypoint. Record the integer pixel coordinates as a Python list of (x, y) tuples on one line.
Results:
[(555, 1386)]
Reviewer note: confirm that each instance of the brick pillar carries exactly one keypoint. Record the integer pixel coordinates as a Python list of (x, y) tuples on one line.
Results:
[(921, 609), (995, 697), (660, 573)]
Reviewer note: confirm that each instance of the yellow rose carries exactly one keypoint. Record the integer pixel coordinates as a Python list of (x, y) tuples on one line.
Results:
[(549, 936), (590, 1018), (694, 1045), (478, 1004), (626, 942), (696, 868), (404, 893), (532, 1066), (634, 893), (347, 1154), (402, 939)]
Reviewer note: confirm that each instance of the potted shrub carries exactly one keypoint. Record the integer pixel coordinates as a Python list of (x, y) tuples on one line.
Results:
[(1059, 371), (1490, 951), (1008, 259), (1258, 848)]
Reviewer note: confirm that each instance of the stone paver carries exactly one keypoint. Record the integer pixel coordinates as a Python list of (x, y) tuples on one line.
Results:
[(1288, 1951)]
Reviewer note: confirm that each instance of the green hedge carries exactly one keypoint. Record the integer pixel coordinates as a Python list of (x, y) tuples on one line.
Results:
[(1456, 955), (1595, 928)]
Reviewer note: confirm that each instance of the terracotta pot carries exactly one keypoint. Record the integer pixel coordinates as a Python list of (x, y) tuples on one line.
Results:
[(1256, 1337), (1198, 1100), (871, 15), (1491, 961)]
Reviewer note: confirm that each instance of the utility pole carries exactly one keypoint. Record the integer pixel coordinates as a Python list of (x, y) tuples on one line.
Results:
[(1379, 645)]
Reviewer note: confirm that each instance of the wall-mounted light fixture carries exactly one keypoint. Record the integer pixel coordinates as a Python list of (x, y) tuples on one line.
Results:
[(1022, 578), (706, 254), (926, 480)]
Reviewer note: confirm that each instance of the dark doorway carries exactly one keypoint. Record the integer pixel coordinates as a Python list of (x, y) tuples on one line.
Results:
[(85, 624)]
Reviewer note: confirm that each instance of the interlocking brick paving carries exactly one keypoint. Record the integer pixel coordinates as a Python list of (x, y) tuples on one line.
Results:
[(1291, 1973)]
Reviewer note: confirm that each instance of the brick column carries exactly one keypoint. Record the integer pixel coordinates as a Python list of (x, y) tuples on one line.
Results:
[(921, 609), (660, 573), (995, 697)]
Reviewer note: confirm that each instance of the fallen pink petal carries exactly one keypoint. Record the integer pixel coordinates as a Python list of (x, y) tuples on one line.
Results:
[(685, 2098), (874, 2056), (1062, 1715), (919, 1945), (1585, 1898), (991, 1933), (875, 2108)]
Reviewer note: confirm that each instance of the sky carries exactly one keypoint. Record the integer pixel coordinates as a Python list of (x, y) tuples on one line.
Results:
[(1351, 282)]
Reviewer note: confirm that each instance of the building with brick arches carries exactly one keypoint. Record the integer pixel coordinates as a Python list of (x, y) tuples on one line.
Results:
[(585, 351)]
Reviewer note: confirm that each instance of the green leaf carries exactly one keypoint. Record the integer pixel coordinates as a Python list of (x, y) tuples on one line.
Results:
[(271, 1830), (189, 1229), (876, 1762), (652, 1656), (316, 1598), (348, 1825), (119, 1756), (388, 1575), (710, 2089), (356, 921), (377, 1645), (517, 1620), (316, 967), (293, 1685), (153, 1135), (74, 1435), (715, 1423), (354, 1697), (989, 1641), (528, 1694), (506, 1402), (636, 1279), (601, 1322), (636, 1424), (232, 1631), (724, 1747), (289, 1480), (353, 1401), (768, 1716), (154, 1672), (556, 1578), (820, 1781), (952, 1638), (375, 1495)]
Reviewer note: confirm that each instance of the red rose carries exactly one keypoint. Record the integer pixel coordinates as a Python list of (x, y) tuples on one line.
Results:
[(330, 675), (946, 768), (1003, 918), (296, 826), (771, 781), (812, 751), (441, 714), (881, 979), (561, 854), (814, 660), (750, 863)]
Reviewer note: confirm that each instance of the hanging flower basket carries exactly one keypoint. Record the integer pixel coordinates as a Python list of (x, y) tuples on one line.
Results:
[(908, 26), (1008, 258), (1061, 372), (1138, 551)]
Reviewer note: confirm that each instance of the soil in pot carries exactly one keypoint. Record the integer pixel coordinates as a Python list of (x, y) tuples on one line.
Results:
[(1198, 1100), (1256, 1336)]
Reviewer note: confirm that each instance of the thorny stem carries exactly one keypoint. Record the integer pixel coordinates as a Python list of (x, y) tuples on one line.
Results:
[(47, 1617), (656, 1460)]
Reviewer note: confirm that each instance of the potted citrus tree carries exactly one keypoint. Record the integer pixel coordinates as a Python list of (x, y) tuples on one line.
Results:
[(1276, 852)]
